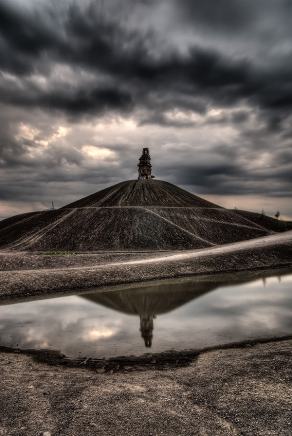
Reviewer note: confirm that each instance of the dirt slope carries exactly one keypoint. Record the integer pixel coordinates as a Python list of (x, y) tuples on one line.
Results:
[(142, 193), (133, 215), (276, 225)]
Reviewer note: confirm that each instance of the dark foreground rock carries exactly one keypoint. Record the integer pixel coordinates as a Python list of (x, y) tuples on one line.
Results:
[(244, 389)]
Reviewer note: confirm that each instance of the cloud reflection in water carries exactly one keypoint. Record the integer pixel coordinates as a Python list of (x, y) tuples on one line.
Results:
[(188, 313)]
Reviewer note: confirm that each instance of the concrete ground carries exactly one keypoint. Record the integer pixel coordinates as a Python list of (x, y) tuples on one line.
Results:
[(244, 390)]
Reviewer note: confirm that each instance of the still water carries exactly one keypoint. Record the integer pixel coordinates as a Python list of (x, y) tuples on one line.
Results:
[(168, 315)]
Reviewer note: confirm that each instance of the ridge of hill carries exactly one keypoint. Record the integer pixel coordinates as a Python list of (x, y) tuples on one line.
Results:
[(275, 225)]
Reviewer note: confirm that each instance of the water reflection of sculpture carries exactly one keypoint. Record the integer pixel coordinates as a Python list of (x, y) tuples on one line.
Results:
[(150, 301)]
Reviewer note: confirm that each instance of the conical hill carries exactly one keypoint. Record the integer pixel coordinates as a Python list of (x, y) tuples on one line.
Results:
[(142, 193), (132, 215)]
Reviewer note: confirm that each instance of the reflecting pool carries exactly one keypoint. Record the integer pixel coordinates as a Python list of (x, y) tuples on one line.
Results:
[(188, 313)]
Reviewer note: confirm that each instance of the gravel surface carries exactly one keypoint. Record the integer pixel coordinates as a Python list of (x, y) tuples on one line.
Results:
[(19, 260), (268, 252), (242, 390), (132, 216)]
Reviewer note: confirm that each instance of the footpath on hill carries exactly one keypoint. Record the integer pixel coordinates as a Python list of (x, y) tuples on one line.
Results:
[(266, 252)]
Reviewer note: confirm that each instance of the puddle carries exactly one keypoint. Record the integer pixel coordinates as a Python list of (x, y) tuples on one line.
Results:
[(176, 315)]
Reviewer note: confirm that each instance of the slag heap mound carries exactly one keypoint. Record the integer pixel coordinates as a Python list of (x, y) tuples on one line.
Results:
[(141, 193), (145, 214)]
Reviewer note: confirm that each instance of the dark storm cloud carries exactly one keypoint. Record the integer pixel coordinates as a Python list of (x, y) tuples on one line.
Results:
[(265, 22), (71, 100), (232, 179), (75, 59), (228, 16), (32, 42), (225, 15)]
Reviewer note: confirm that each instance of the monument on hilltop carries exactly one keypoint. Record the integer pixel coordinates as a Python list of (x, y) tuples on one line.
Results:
[(135, 215), (144, 165)]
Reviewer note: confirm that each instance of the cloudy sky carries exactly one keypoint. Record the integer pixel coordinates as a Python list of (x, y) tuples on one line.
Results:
[(85, 84)]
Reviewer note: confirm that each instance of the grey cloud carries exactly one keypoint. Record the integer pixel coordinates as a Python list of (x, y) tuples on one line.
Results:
[(223, 15), (130, 68), (135, 76)]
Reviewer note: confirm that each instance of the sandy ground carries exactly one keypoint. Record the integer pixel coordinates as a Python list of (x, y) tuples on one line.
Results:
[(244, 390), (233, 390), (35, 274)]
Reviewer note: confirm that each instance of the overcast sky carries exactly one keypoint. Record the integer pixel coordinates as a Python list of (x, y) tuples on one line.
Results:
[(207, 85)]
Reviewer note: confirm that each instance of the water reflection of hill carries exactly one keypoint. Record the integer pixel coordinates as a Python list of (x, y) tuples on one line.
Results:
[(162, 297), (151, 301)]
